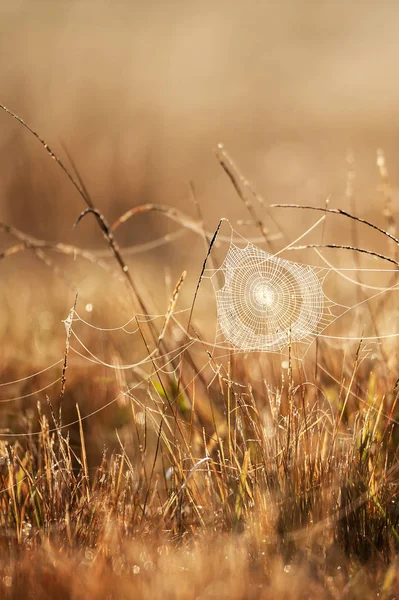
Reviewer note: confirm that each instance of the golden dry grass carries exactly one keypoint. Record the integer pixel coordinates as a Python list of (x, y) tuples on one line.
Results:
[(234, 476)]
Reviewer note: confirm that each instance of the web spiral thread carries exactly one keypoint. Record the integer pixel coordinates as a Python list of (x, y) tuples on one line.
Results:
[(267, 302)]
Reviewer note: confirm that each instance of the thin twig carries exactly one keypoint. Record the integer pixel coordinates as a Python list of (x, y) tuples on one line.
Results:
[(339, 211), (175, 215), (110, 238), (239, 184), (68, 327), (49, 151), (339, 247), (212, 242)]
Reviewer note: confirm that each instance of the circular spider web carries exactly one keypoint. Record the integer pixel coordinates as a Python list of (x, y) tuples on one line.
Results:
[(267, 302)]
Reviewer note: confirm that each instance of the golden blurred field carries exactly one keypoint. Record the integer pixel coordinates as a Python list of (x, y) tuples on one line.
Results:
[(141, 461)]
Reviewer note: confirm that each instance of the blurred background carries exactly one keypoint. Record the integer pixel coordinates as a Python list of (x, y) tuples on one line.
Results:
[(139, 94)]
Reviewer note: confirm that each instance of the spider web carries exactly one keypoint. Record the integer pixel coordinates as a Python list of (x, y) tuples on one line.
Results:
[(263, 304), (266, 302)]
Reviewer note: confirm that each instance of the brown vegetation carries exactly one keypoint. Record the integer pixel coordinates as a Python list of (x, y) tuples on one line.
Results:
[(189, 475)]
